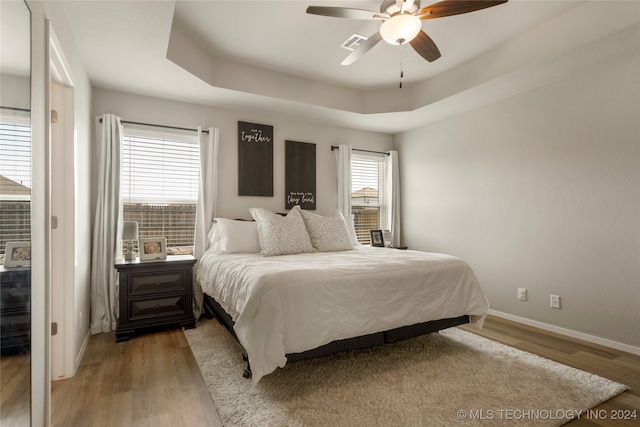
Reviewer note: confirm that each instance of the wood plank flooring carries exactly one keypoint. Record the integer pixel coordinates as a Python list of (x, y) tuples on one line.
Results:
[(609, 363), (15, 402), (154, 380), (151, 380)]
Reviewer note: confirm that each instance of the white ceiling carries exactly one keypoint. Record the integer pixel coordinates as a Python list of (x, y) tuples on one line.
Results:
[(281, 36), (271, 55)]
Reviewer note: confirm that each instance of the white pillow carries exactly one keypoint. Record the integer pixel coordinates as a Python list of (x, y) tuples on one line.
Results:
[(281, 235), (349, 221), (214, 242), (231, 236), (327, 233)]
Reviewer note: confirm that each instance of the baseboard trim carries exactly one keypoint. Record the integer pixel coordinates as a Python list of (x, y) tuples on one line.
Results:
[(568, 332), (81, 352)]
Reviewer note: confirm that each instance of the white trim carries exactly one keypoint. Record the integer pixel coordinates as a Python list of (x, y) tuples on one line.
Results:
[(59, 66), (80, 355), (367, 155), (156, 132), (18, 117), (63, 309), (154, 201), (14, 198), (568, 332)]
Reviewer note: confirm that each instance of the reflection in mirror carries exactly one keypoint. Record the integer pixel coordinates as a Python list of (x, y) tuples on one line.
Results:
[(15, 229)]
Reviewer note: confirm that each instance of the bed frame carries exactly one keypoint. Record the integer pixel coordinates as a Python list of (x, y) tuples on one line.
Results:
[(212, 308)]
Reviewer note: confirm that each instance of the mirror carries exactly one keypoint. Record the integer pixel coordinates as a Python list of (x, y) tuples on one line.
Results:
[(15, 213)]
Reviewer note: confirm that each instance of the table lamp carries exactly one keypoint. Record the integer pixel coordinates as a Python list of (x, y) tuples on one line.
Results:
[(130, 233)]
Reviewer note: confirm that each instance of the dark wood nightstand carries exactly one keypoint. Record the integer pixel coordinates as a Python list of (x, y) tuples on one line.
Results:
[(155, 293), (15, 310)]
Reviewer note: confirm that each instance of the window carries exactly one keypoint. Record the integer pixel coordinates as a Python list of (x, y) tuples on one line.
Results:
[(160, 173), (367, 193), (15, 178)]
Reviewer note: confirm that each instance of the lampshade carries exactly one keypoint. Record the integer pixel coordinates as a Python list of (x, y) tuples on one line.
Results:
[(400, 29), (130, 230)]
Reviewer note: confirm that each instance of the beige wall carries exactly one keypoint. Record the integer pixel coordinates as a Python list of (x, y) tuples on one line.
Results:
[(539, 191), (152, 110), (15, 91)]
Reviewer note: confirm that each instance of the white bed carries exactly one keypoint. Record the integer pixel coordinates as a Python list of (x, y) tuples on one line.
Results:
[(292, 303)]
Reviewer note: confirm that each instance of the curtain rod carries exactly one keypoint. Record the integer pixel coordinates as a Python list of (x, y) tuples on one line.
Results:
[(159, 126), (16, 109), (386, 153)]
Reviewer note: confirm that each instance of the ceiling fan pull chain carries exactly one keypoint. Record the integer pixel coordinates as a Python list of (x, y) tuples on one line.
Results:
[(401, 67)]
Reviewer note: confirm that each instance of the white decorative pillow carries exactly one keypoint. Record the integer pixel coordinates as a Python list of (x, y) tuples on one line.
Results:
[(214, 242), (327, 233), (234, 236), (281, 235), (349, 221)]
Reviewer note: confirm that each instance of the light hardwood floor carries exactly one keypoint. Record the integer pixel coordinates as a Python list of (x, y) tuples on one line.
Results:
[(151, 380), (154, 380), (615, 365), (15, 402)]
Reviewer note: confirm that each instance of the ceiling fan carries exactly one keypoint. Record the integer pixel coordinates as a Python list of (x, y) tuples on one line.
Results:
[(402, 22)]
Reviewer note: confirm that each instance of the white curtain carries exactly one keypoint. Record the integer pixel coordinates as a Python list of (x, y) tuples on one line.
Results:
[(107, 226), (392, 202), (343, 158), (207, 202)]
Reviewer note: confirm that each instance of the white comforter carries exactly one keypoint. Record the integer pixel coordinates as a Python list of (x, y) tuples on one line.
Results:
[(289, 304)]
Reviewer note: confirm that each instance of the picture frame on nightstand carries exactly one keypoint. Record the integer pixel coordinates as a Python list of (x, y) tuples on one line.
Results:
[(377, 239), (17, 254), (152, 248)]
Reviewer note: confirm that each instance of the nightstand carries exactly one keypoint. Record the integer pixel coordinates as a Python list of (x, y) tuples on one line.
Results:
[(155, 293), (15, 310)]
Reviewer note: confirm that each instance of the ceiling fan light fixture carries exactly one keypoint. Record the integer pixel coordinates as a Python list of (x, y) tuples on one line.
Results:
[(400, 29)]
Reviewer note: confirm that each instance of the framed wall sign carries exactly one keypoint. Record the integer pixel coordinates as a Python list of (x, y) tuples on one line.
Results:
[(300, 175), (255, 159)]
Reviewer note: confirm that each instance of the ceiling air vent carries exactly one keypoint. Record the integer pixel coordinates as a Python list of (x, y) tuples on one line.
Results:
[(353, 42)]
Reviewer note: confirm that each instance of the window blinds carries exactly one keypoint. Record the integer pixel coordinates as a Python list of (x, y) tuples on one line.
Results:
[(160, 173), (364, 181), (15, 181), (159, 169), (367, 188)]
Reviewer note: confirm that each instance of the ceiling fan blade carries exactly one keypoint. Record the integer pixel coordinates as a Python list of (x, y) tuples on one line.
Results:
[(424, 45), (362, 49), (385, 4), (455, 7), (346, 12)]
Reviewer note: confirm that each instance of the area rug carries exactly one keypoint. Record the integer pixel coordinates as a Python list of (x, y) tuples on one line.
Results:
[(444, 379)]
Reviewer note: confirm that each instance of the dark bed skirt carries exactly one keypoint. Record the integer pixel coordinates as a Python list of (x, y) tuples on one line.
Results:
[(380, 338)]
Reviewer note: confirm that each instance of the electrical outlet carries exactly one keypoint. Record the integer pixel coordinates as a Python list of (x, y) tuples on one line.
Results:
[(522, 294), (555, 301)]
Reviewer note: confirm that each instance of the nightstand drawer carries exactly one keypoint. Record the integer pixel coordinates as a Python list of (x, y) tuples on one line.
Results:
[(167, 281), (156, 308), (12, 326), (15, 299), (15, 307)]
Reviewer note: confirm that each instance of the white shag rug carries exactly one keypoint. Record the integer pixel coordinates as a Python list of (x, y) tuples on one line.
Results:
[(444, 379)]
